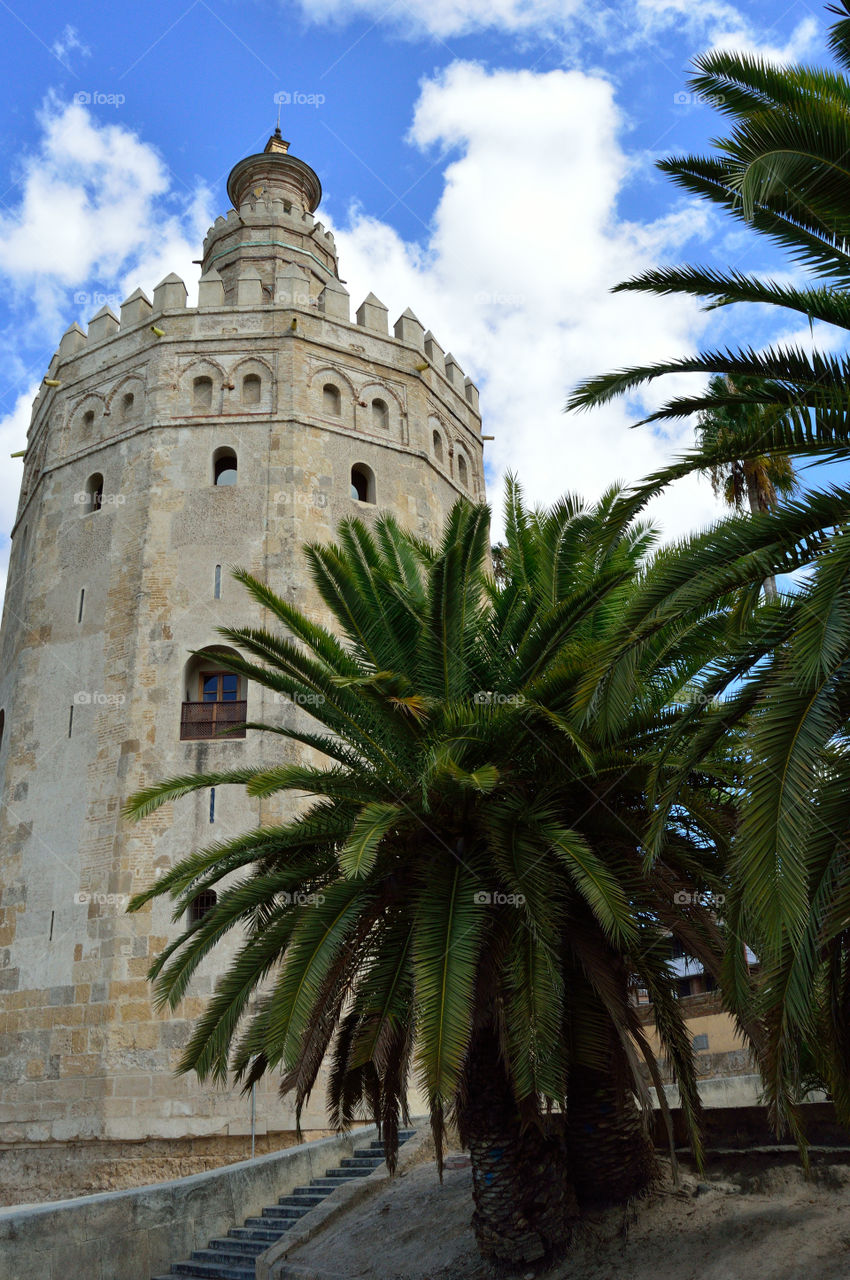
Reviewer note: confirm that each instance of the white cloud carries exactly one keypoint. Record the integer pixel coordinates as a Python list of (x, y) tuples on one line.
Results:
[(712, 22), (443, 18), (95, 209), (724, 26), (96, 217), (69, 42), (516, 276)]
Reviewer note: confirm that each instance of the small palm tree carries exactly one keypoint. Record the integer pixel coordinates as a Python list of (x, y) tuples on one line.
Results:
[(461, 902), (756, 482), (497, 555)]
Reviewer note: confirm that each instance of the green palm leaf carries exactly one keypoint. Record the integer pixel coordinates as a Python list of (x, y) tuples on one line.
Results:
[(447, 937), (369, 828)]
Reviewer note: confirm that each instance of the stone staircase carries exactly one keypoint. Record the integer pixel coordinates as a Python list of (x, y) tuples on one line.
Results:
[(232, 1257)]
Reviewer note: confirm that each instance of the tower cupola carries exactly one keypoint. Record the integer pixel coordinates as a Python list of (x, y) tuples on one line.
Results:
[(276, 175), (271, 226)]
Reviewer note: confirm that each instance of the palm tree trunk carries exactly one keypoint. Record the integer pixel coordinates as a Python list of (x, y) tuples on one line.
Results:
[(525, 1205), (609, 1148), (757, 506)]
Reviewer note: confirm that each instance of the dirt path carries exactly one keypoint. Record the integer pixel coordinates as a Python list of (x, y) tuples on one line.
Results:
[(754, 1220)]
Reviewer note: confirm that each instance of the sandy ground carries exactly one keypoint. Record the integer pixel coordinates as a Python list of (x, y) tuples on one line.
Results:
[(754, 1218)]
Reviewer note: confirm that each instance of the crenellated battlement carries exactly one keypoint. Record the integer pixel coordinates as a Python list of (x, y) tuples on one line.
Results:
[(260, 211), (142, 365), (145, 324)]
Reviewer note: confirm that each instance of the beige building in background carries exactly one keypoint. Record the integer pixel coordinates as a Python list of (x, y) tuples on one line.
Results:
[(167, 445)]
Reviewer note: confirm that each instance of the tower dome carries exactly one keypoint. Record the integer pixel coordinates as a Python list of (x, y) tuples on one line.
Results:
[(278, 175)]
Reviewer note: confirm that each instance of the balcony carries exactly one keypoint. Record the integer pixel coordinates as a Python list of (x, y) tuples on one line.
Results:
[(200, 721)]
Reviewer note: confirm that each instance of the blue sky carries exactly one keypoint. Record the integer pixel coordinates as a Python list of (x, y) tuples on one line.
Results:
[(489, 163)]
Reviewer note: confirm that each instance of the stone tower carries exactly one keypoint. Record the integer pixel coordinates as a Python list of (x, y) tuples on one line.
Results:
[(166, 446)]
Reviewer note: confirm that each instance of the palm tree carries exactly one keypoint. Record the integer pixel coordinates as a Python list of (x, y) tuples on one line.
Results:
[(462, 900), (782, 171), (497, 556), (756, 481)]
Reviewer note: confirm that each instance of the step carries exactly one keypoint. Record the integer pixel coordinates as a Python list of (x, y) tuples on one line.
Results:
[(312, 1190), (233, 1244), (366, 1163), (330, 1184), (271, 1221), (377, 1144), (281, 1212), (214, 1270), (228, 1258), (340, 1175), (264, 1235), (304, 1199)]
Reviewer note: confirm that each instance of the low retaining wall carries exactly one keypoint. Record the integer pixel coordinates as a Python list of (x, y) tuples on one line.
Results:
[(136, 1234), (726, 1091), (720, 1091), (32, 1173), (743, 1128)]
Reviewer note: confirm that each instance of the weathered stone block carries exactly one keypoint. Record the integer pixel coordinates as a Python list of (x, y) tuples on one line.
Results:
[(170, 294), (372, 314), (102, 326), (211, 290), (409, 329), (136, 309)]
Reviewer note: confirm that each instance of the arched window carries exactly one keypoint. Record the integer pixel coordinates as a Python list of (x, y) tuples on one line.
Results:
[(202, 394), (437, 440), (81, 604), (331, 399), (224, 467), (94, 493), (204, 902), (2, 726), (88, 422), (380, 414), (251, 388), (215, 702), (217, 583), (462, 471), (127, 403), (362, 483)]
